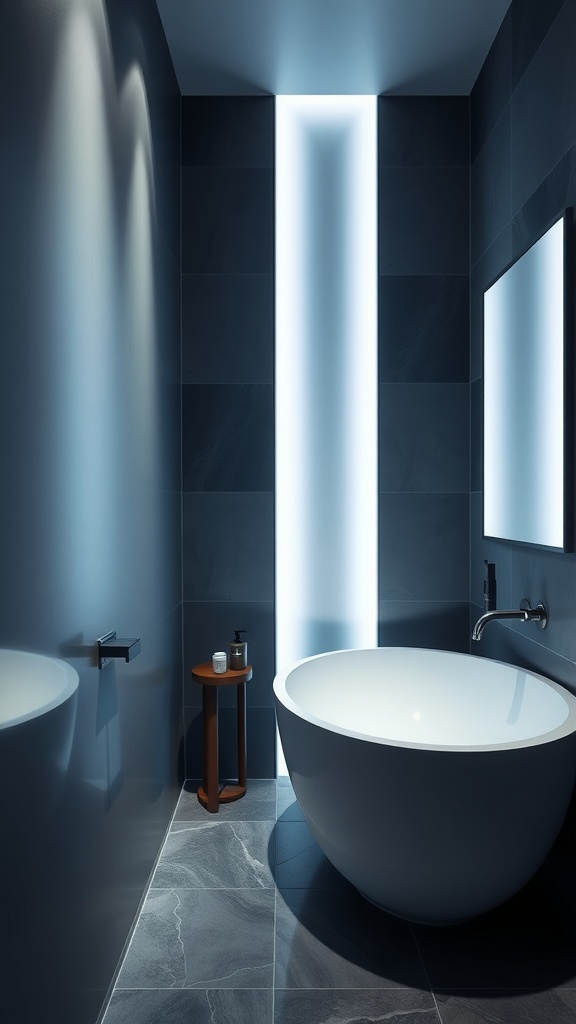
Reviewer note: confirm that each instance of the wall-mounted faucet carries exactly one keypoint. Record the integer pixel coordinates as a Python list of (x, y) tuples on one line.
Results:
[(524, 613)]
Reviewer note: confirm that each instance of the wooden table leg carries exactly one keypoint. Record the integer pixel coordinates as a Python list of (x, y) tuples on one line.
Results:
[(241, 698), (232, 791), (208, 792)]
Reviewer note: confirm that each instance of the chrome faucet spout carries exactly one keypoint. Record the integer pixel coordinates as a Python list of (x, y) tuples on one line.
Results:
[(524, 613)]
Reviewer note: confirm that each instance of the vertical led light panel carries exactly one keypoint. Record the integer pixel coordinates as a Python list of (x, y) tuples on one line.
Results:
[(326, 375)]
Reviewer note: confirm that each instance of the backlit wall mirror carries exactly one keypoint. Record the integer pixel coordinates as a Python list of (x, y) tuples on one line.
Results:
[(528, 403)]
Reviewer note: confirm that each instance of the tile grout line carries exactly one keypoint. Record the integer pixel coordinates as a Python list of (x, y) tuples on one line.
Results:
[(275, 915), (417, 944)]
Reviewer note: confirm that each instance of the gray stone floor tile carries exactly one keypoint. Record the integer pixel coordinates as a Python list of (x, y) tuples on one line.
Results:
[(288, 807), (507, 1007), (300, 863), (257, 804), (217, 854), (527, 943), (235, 891), (202, 938), (336, 939), (356, 1006), (161, 1006)]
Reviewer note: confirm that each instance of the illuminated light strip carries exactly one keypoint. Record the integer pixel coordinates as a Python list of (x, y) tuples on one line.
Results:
[(326, 375)]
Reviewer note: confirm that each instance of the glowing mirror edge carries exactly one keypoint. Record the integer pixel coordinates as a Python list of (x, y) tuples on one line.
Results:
[(327, 582), (540, 437)]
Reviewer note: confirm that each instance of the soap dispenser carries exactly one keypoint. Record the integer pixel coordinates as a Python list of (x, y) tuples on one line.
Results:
[(238, 650)]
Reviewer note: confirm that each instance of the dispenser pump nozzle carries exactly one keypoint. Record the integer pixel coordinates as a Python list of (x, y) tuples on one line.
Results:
[(237, 632)]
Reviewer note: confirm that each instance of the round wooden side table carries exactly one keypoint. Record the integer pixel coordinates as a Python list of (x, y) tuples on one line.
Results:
[(209, 793)]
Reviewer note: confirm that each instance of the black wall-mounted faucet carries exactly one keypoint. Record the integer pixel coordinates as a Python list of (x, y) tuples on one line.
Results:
[(110, 646)]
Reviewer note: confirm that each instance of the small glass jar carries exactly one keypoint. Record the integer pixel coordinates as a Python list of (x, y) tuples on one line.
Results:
[(219, 664)]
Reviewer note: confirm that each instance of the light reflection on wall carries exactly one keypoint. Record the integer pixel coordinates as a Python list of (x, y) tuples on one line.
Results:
[(140, 304), (102, 409), (326, 374), (140, 341), (82, 270)]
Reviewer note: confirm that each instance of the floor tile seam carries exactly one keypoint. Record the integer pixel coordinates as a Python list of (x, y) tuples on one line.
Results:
[(213, 888), (360, 988), (199, 988), (275, 917), (224, 821), (274, 934), (356, 988), (426, 975)]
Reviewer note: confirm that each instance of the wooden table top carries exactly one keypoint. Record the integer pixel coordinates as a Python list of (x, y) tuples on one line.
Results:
[(205, 674)]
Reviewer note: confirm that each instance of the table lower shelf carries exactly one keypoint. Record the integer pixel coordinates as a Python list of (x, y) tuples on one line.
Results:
[(226, 794)]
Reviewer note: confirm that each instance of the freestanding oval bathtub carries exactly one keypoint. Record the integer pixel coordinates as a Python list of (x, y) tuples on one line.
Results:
[(38, 696), (435, 782)]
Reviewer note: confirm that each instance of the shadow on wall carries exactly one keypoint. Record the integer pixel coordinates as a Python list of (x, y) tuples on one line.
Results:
[(435, 625)]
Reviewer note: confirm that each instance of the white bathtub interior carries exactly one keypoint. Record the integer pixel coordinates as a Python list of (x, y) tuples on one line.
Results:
[(32, 684), (424, 697)]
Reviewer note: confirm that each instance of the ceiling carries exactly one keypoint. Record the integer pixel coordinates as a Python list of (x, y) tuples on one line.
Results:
[(403, 47)]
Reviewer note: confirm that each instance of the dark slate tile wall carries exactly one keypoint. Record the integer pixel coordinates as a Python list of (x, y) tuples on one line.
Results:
[(523, 116), (424, 370), (228, 410), (90, 467)]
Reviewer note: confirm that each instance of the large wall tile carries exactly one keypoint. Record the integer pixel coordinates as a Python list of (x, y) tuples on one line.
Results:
[(556, 192), (439, 625), (228, 437), (424, 547), (423, 328), (424, 437), (482, 274), (544, 109), (423, 131), (490, 187), (531, 20), (227, 220), (228, 404), (227, 327), (228, 131), (228, 546), (492, 88), (476, 434), (423, 220)]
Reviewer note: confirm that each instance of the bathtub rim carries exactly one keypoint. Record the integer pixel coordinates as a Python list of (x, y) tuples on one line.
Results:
[(565, 729), (67, 688)]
